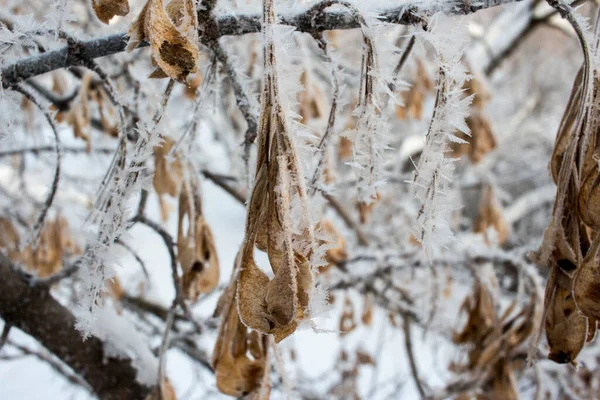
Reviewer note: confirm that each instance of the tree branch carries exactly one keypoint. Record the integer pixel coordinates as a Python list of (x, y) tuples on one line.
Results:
[(34, 311), (233, 25)]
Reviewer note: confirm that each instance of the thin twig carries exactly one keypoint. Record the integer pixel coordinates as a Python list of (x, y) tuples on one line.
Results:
[(39, 224), (5, 333)]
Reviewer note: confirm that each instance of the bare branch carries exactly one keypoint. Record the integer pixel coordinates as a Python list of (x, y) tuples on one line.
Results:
[(34, 311), (230, 25)]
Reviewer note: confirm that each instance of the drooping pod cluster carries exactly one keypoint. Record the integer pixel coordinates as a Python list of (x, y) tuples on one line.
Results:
[(275, 306), (570, 246)]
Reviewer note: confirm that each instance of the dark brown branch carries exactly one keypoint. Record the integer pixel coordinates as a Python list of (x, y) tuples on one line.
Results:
[(229, 25), (34, 311)]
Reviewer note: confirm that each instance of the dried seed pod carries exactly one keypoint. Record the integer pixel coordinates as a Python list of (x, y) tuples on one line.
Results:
[(567, 126), (586, 284), (167, 175), (196, 251), (367, 312), (566, 328), (589, 199), (344, 148), (347, 323), (337, 253), (364, 358), (490, 215), (174, 43), (107, 9), (311, 101), (275, 306), (240, 359)]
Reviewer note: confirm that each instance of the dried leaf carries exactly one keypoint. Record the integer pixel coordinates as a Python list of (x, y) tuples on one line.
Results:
[(167, 175)]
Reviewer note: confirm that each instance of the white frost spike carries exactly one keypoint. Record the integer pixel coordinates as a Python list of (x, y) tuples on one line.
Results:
[(433, 176)]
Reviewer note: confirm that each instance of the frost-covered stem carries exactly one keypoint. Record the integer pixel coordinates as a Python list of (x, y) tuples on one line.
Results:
[(322, 147), (201, 95), (164, 346), (242, 100), (39, 224), (411, 356), (137, 258), (228, 25), (404, 57)]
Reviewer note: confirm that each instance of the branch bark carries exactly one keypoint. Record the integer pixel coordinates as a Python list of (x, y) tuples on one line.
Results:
[(34, 311), (234, 25)]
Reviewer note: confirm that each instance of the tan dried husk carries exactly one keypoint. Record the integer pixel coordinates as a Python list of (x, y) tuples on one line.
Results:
[(337, 253), (107, 9), (570, 245), (277, 305), (172, 34), (55, 242), (492, 340), (196, 251), (311, 102), (240, 356), (490, 215), (167, 175), (347, 321)]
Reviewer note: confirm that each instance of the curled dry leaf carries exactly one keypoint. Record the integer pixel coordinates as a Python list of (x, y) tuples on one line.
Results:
[(107, 9), (566, 328), (172, 35), (240, 357), (490, 216), (196, 251)]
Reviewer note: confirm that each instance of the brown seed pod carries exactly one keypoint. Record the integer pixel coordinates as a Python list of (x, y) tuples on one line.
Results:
[(566, 328), (196, 251), (167, 175), (347, 323), (107, 9), (239, 357), (586, 284), (589, 199), (490, 215), (174, 42)]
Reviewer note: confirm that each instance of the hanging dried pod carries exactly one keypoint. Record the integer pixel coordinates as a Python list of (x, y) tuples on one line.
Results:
[(240, 357), (586, 284), (277, 305), (311, 101), (347, 322), (367, 312), (337, 253), (566, 328), (107, 9), (490, 215), (167, 175), (172, 35), (196, 251)]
